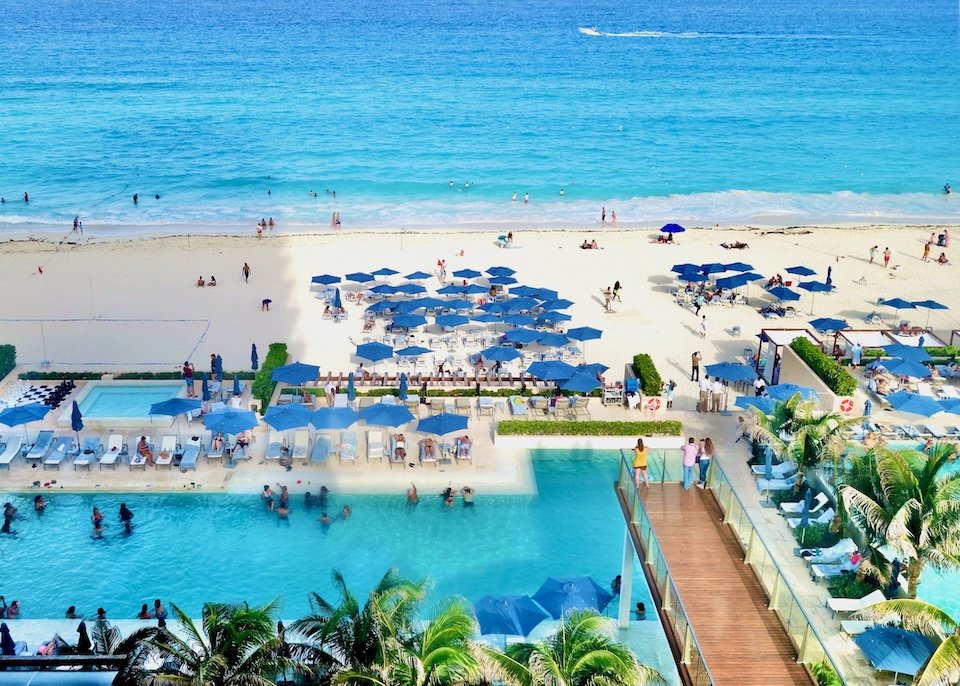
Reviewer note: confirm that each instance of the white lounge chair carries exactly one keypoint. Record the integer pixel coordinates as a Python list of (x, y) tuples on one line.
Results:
[(855, 604), (518, 406), (274, 445), (425, 458), (825, 517), (218, 452), (835, 554), (818, 504), (321, 449), (38, 451), (935, 430), (92, 449), (10, 449), (116, 449), (819, 572), (463, 451), (61, 451), (135, 459), (779, 471), (191, 453), (375, 445), (168, 448), (301, 445), (347, 450), (775, 484)]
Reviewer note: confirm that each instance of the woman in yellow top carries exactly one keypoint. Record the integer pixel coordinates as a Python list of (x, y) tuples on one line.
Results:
[(640, 455)]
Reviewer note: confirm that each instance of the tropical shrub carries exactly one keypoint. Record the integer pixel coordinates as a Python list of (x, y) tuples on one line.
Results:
[(514, 427), (838, 379), (825, 675), (816, 536), (8, 359), (647, 374), (263, 385), (850, 586)]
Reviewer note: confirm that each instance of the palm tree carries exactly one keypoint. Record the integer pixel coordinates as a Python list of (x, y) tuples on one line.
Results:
[(943, 667), (911, 508), (351, 636), (798, 432), (235, 645), (580, 653)]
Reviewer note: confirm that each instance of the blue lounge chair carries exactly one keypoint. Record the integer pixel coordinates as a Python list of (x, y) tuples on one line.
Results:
[(393, 452), (776, 484), (274, 446), (321, 448), (518, 406), (435, 459), (464, 451), (219, 452), (92, 449), (61, 451), (347, 449), (9, 450), (191, 453), (41, 447)]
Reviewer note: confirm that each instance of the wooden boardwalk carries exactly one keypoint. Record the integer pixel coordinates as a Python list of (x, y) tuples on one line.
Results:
[(742, 641)]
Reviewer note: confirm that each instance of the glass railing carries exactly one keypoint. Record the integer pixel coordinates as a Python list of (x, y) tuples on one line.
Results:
[(783, 599), (663, 466)]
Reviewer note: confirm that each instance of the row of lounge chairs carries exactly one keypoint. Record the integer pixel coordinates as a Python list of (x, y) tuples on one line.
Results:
[(540, 406), (53, 451), (316, 450)]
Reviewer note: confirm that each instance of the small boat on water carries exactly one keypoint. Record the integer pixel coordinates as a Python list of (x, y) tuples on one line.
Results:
[(589, 31)]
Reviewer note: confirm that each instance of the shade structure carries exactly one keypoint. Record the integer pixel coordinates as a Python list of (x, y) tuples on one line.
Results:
[(731, 371), (929, 305), (581, 383), (382, 306), (556, 304), (411, 288), (459, 304), (296, 373), (672, 228), (385, 271), (712, 268), (76, 418), (359, 277), (175, 406), (552, 370), (334, 418), (584, 333), (897, 304), (325, 279), (351, 387), (452, 289), (522, 336), (337, 303), (383, 289), (205, 388), (521, 304), (254, 358), (525, 290), (283, 417), (815, 286), (785, 391), (494, 308), (553, 317), (413, 351), (902, 367), (467, 273), (907, 352), (510, 615), (685, 268), (892, 649), (738, 267), (783, 293), (443, 423), (693, 277), (218, 363), (409, 321), (473, 289), (486, 318), (23, 414), (374, 351), (502, 280), (800, 271), (592, 368), (735, 281), (386, 415), (418, 276), (914, 403), (497, 354), (519, 319), (764, 405), (403, 386), (236, 386), (451, 320), (560, 595), (553, 340), (501, 271), (230, 420), (829, 324), (951, 405)]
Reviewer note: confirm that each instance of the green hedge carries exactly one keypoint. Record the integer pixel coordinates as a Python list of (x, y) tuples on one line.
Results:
[(825, 675), (125, 376), (263, 384), (459, 392), (647, 374), (8, 359), (838, 379), (514, 427)]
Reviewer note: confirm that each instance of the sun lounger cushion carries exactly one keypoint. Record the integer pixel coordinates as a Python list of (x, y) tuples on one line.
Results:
[(348, 446), (775, 484), (779, 471), (321, 448), (518, 406), (10, 450), (301, 444), (168, 448), (89, 454), (62, 445), (855, 604), (818, 504), (274, 448), (836, 553), (41, 447), (189, 460), (115, 450)]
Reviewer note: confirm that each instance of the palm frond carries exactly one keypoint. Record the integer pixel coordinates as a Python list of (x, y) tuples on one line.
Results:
[(943, 667)]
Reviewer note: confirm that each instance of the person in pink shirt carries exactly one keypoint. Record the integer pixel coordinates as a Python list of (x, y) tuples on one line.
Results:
[(690, 452)]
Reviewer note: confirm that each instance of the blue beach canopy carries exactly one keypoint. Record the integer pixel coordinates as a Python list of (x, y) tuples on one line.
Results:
[(510, 615), (443, 423), (552, 370), (467, 273), (326, 279), (560, 595), (930, 304), (712, 268), (473, 289), (828, 324), (175, 406), (386, 415), (283, 417), (553, 340), (451, 320), (374, 351), (592, 368), (685, 268), (76, 418), (815, 286), (359, 277), (412, 351), (522, 336), (351, 388), (501, 271), (403, 386), (23, 414), (453, 289), (486, 318), (898, 304), (764, 405), (385, 271), (738, 267), (735, 281), (553, 317), (237, 390), (219, 365), (418, 276), (800, 271), (382, 306), (519, 319), (384, 289), (337, 302), (731, 371), (409, 321), (672, 228), (892, 649), (581, 383), (334, 418), (914, 403), (230, 420), (521, 304), (902, 367), (296, 373), (907, 352), (410, 289), (556, 304), (497, 354), (584, 333), (783, 293), (785, 391), (502, 280), (494, 308), (254, 360)]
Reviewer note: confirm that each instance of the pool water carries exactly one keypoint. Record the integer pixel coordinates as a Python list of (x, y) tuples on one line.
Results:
[(192, 548), (132, 401)]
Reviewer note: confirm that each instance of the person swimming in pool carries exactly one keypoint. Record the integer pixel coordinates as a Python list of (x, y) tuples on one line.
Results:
[(325, 521), (98, 525), (126, 518), (412, 497), (267, 496)]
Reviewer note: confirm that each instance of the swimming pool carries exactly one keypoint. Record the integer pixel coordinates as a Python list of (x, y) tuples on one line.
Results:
[(116, 404), (192, 548)]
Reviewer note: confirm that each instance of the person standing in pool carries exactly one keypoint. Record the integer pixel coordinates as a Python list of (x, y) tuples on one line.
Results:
[(412, 497), (126, 518), (467, 493), (97, 519), (267, 496)]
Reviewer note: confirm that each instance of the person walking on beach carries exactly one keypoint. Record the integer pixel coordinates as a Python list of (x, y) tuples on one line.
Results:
[(695, 366), (603, 216), (443, 270), (886, 258), (926, 252), (703, 327), (607, 297), (76, 224), (616, 291), (259, 231), (873, 253), (697, 303), (613, 218), (246, 272)]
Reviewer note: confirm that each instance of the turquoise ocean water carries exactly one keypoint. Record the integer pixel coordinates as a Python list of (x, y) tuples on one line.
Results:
[(703, 110)]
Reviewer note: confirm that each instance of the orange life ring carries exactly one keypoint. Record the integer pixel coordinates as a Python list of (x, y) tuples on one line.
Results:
[(653, 404), (846, 405)]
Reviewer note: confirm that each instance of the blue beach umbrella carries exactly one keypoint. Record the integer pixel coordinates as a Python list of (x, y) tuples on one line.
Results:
[(411, 288), (693, 277), (451, 320), (902, 367), (892, 649), (685, 268), (525, 290), (283, 417), (951, 405), (219, 365), (907, 352), (23, 414), (403, 386), (556, 304), (467, 273), (751, 276), (783, 293), (374, 351), (76, 420), (497, 354), (384, 289), (712, 268), (236, 386), (828, 324), (519, 319), (914, 403), (412, 351), (731, 371), (764, 405), (898, 304), (385, 271), (486, 318), (501, 271), (453, 289), (553, 340), (785, 391), (509, 615), (521, 304), (553, 317), (800, 271), (502, 280), (175, 406), (296, 373), (738, 267), (334, 418), (418, 276), (672, 228), (494, 308), (560, 595), (735, 281), (230, 420), (592, 368), (473, 289), (386, 415), (815, 287), (581, 383), (930, 305), (443, 423), (359, 277), (409, 321), (351, 388), (382, 306), (805, 512), (459, 304), (204, 388), (254, 360), (552, 370), (326, 279), (522, 336), (584, 333), (337, 302)]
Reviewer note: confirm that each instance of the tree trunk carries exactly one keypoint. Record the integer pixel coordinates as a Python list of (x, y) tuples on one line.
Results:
[(913, 578), (799, 482)]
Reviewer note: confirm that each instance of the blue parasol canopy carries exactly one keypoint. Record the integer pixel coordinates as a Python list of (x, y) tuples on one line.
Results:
[(907, 352), (409, 321), (553, 317), (403, 386), (892, 649), (386, 415), (519, 319), (283, 417), (712, 268), (382, 306), (219, 366), (584, 333), (451, 320), (815, 286), (359, 277), (738, 267), (175, 406), (467, 273), (560, 595), (497, 354), (552, 370), (237, 390), (672, 228), (296, 373), (473, 289), (334, 418), (410, 288), (785, 391), (501, 271), (443, 423), (486, 318), (685, 268), (556, 304), (783, 293), (254, 360), (385, 271), (502, 280), (23, 414), (374, 351), (521, 304), (902, 367), (914, 403), (522, 336), (930, 305), (553, 340), (418, 276), (494, 308), (581, 383), (384, 289), (412, 351), (230, 420), (512, 615), (735, 281), (828, 324), (764, 405), (337, 302), (454, 289), (326, 279), (351, 388), (76, 419), (731, 371), (800, 271)]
